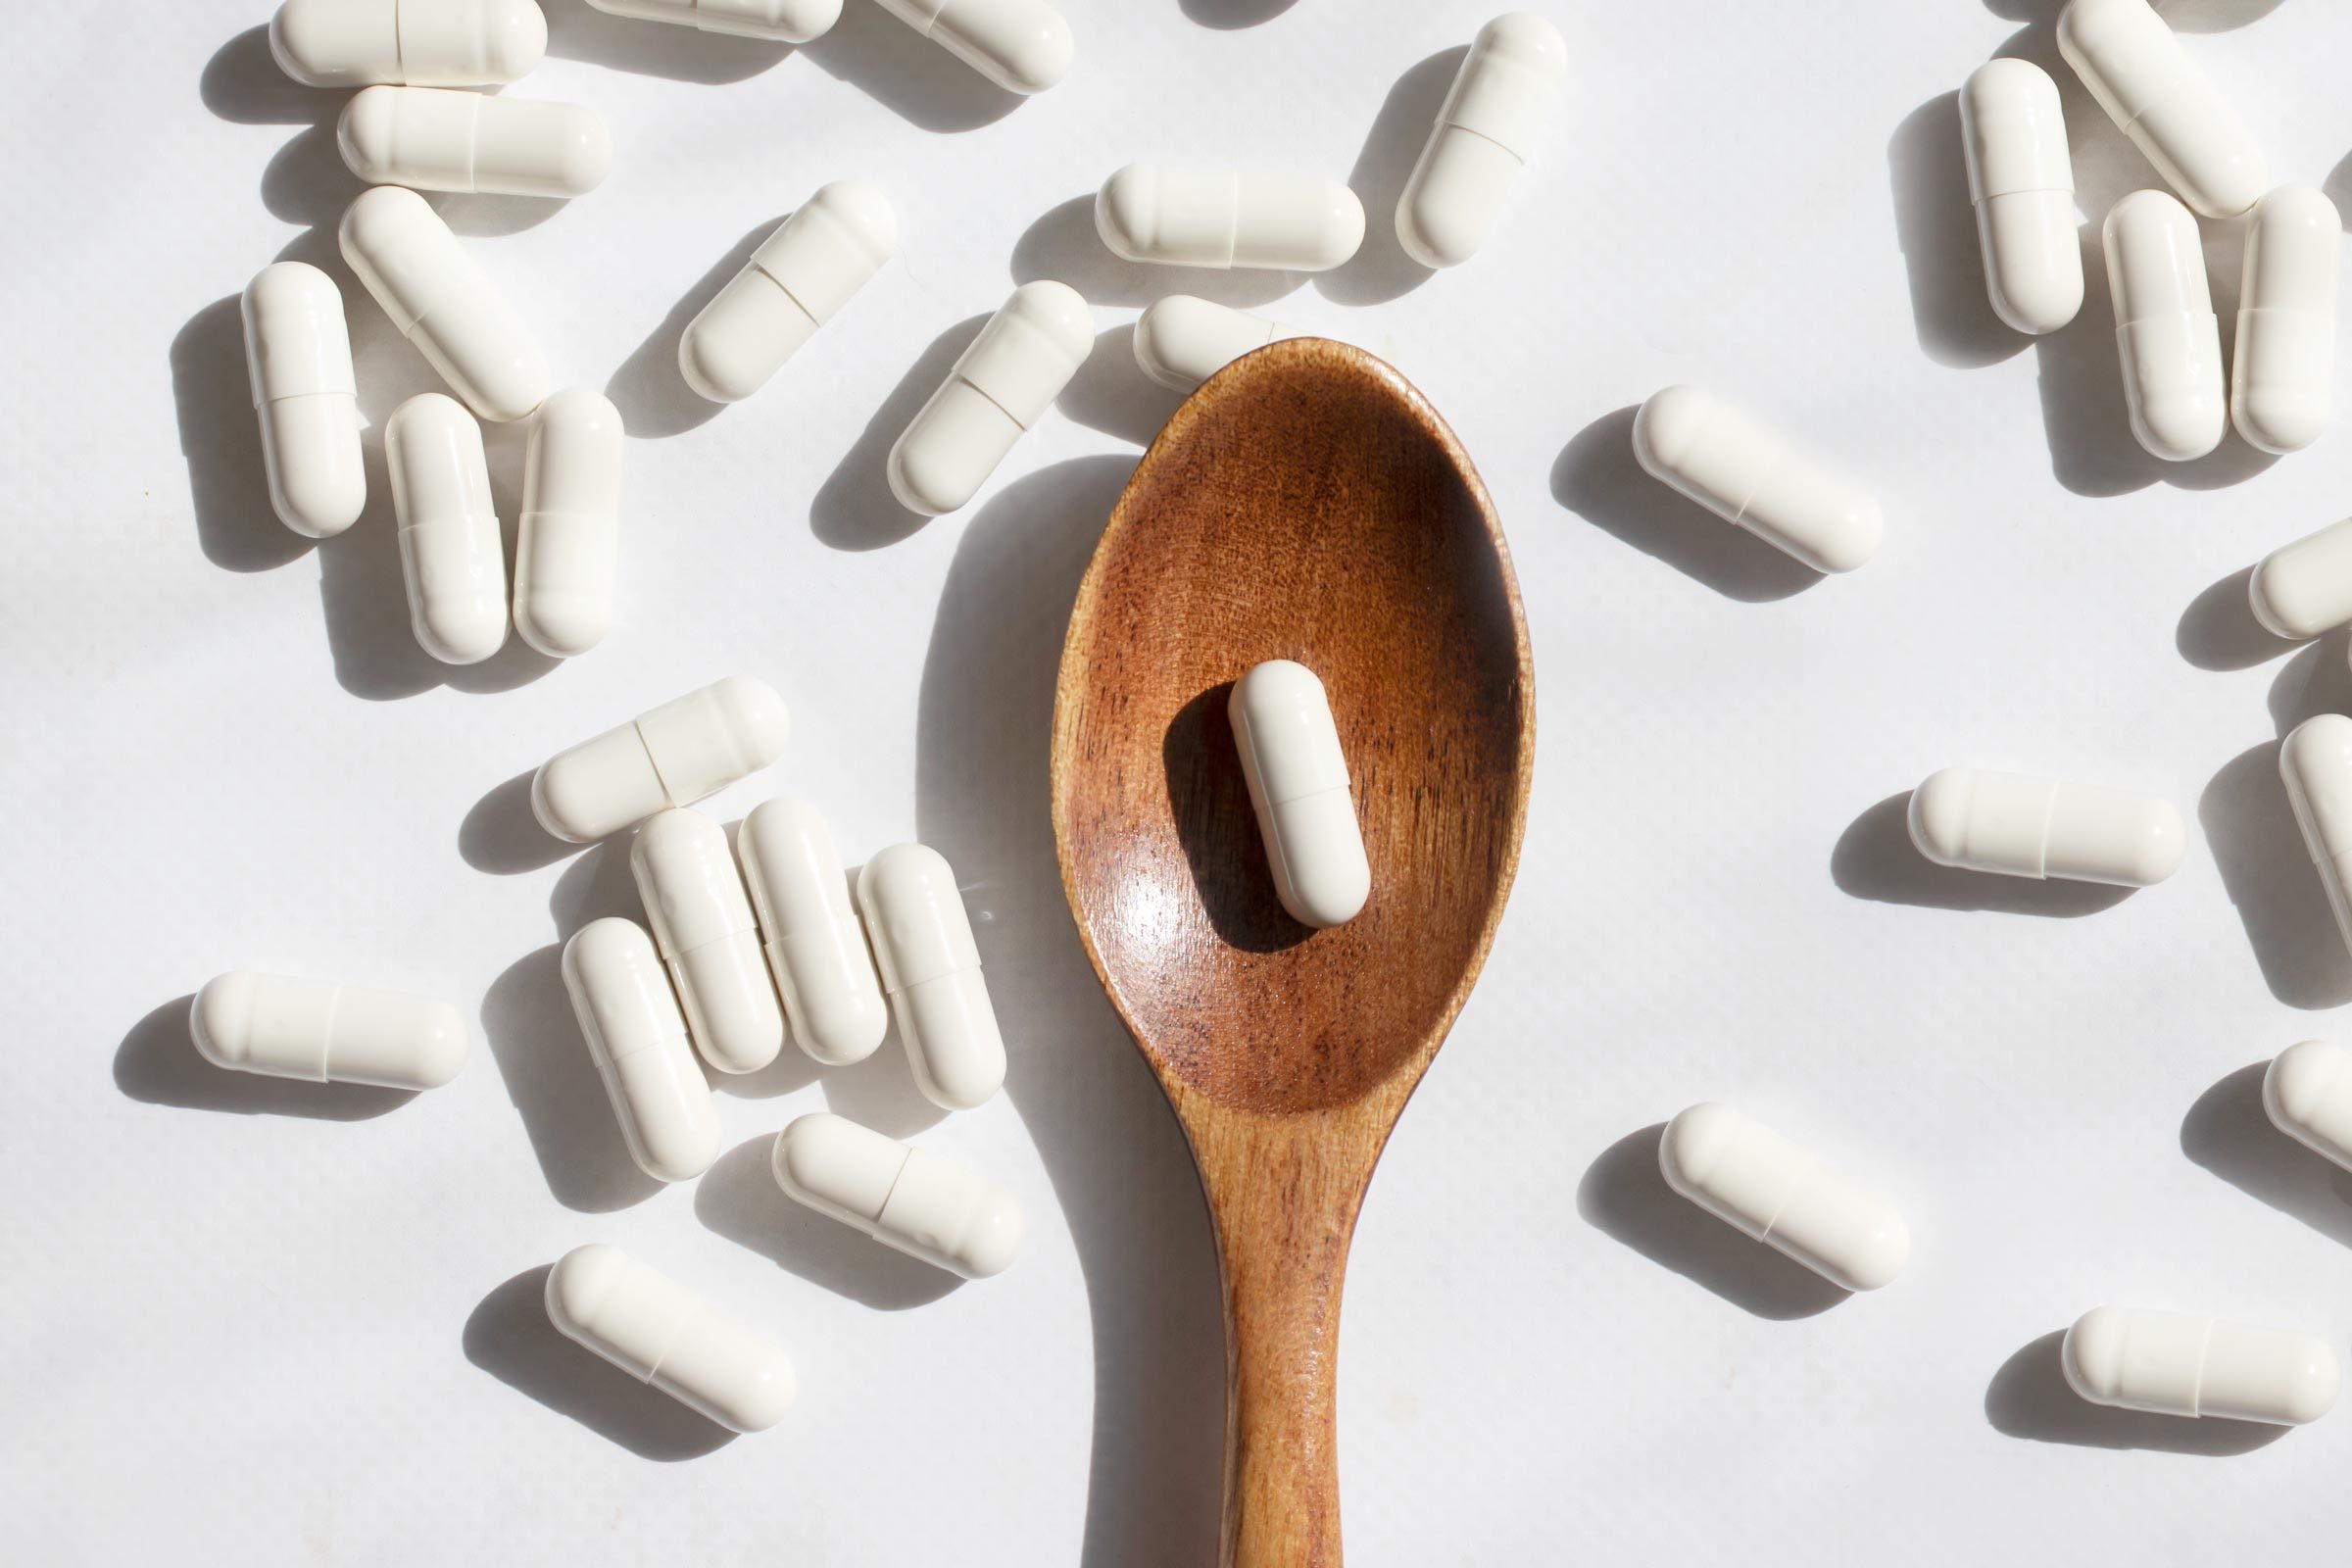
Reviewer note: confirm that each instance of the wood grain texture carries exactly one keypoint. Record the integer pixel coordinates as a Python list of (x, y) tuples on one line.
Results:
[(1305, 503)]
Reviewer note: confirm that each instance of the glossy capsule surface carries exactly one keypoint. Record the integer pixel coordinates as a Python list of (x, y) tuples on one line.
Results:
[(1181, 340), (2158, 95), (816, 948), (1298, 789), (451, 554), (2014, 824), (298, 357), (1221, 218), (703, 927), (441, 301), (288, 1026), (1023, 46), (1753, 1179), (1750, 474), (675, 754), (660, 1331), (1000, 386), (2283, 381), (930, 968), (567, 545), (423, 44), (1490, 124), (2304, 589), (622, 995), (433, 138), (2307, 1090), (920, 1202), (796, 281), (2315, 761), (776, 20), (2167, 336), (2022, 182), (2175, 1363)]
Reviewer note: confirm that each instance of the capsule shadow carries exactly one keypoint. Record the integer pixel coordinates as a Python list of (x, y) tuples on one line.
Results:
[(243, 83), (649, 389), (228, 486), (1228, 15), (2317, 679), (738, 1198), (880, 1091), (306, 182), (855, 508), (906, 74), (555, 1088), (2215, 15), (1597, 477), (1111, 393), (2229, 1132), (1209, 795), (158, 1063), (1625, 1197), (1380, 269), (2268, 875), (2217, 630), (501, 834), (577, 30), (1064, 246), (2029, 1398), (1936, 226)]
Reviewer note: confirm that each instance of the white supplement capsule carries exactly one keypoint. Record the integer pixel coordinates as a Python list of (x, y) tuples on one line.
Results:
[(2304, 589), (2309, 1096), (910, 1198), (2315, 762), (1502, 98), (931, 968), (424, 43), (777, 20), (2022, 180), (298, 355), (2156, 95), (2281, 388), (795, 281), (2173, 1363), (441, 302), (449, 550), (283, 1026), (815, 946), (1297, 778), (660, 1331), (2165, 334), (1181, 341), (702, 925), (1223, 217), (690, 747), (1762, 1185), (1023, 46), (567, 545), (432, 138), (2014, 824), (1746, 473), (1001, 386), (622, 998)]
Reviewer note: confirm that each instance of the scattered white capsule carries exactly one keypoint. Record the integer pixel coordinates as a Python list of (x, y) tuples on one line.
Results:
[(1181, 341), (637, 1037), (660, 1331), (1755, 1180), (433, 138), (1297, 778), (567, 545), (1224, 218), (2308, 1094), (283, 1026), (2165, 330), (815, 946), (2018, 825), (2022, 180), (2281, 387), (2304, 589), (675, 754), (925, 1206), (2315, 762), (2156, 95), (1490, 124), (1001, 386), (801, 274), (777, 21), (2173, 1363), (449, 550), (424, 43), (298, 355), (441, 302), (702, 926), (1750, 474), (930, 967), (1023, 46)]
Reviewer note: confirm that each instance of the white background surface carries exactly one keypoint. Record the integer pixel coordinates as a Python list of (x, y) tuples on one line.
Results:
[(252, 1322)]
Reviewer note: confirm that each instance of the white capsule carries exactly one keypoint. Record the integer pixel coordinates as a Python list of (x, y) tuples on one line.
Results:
[(923, 1204), (1750, 474), (282, 1026), (2308, 1094), (777, 20), (2303, 589), (2165, 330), (637, 1037), (1001, 386), (2017, 825), (1762, 1185), (2315, 762), (1181, 341), (424, 43), (1023, 46), (441, 302), (298, 356), (1297, 778), (675, 754), (433, 138), (2281, 388), (1223, 217), (2173, 1363), (567, 545), (449, 550), (2022, 180), (930, 967), (815, 946), (801, 274), (1488, 126), (702, 925), (660, 1331), (2159, 97)]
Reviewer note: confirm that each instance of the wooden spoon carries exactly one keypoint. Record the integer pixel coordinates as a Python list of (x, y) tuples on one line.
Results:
[(1305, 504)]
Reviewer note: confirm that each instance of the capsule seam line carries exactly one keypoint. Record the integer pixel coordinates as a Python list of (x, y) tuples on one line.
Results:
[(2204, 1349), (1517, 157), (655, 762), (873, 1226), (326, 1033), (785, 289), (677, 1332), (992, 402), (1796, 1184)]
